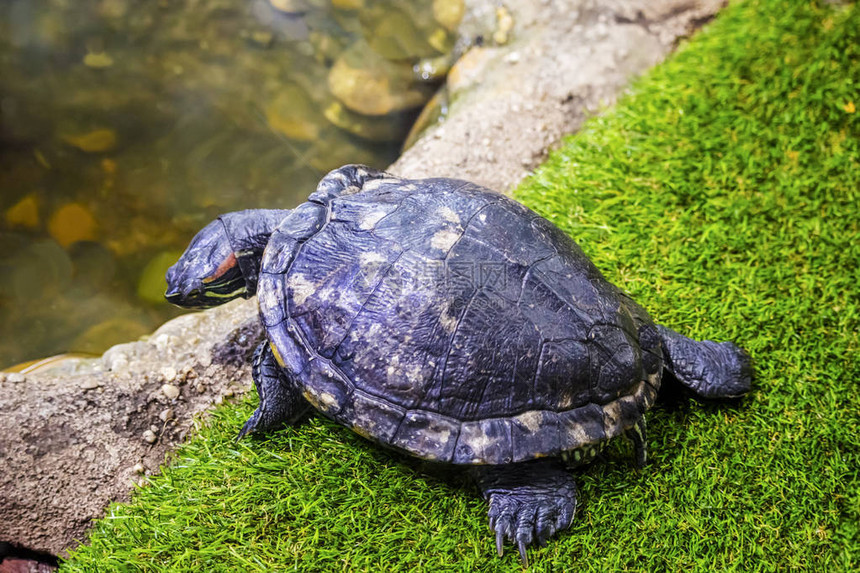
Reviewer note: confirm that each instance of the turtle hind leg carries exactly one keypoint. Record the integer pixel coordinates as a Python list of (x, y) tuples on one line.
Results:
[(710, 369), (280, 401), (636, 434), (529, 501)]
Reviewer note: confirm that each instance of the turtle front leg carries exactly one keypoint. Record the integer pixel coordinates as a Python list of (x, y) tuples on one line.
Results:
[(529, 501), (281, 403)]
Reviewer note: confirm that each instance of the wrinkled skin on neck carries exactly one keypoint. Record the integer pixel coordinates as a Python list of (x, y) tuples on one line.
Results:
[(223, 260)]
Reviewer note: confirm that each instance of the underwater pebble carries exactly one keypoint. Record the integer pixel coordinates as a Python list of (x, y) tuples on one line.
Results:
[(171, 391), (24, 213), (449, 13), (96, 141), (367, 83), (72, 223), (289, 6), (151, 285), (98, 60), (293, 113), (262, 37), (149, 437)]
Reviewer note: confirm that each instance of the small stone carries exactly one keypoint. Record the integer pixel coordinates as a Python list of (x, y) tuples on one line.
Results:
[(262, 38), (169, 373), (205, 359), (149, 437), (24, 213), (289, 6), (166, 414), (219, 400), (504, 25), (115, 360), (228, 393), (293, 113), (98, 60), (200, 388), (16, 378), (513, 58), (96, 141), (154, 428), (71, 223), (91, 383), (138, 468), (171, 391), (448, 13), (367, 83)]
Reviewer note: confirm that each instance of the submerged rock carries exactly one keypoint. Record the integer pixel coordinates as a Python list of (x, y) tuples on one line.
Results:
[(72, 223), (96, 141), (293, 113), (369, 84), (372, 128), (24, 213)]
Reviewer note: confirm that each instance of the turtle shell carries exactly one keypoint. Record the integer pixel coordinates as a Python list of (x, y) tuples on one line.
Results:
[(448, 321)]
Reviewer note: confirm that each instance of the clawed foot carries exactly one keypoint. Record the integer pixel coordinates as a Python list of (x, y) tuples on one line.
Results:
[(528, 503), (280, 401)]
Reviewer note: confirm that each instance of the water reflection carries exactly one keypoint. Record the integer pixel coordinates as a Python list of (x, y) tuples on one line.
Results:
[(127, 125)]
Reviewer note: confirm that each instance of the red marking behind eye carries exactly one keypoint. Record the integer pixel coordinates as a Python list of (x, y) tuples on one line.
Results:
[(228, 263)]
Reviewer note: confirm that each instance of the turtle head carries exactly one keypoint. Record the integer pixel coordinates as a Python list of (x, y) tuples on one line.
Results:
[(223, 260)]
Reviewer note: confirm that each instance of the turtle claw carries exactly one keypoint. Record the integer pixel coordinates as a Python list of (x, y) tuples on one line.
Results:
[(521, 545), (529, 503), (249, 427)]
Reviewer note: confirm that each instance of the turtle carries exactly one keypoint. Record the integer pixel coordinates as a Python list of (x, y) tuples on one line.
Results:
[(451, 323)]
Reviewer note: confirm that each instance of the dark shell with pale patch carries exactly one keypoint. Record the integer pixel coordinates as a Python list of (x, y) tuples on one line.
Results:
[(448, 321)]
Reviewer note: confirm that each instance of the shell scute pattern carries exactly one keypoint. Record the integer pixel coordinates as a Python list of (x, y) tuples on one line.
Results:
[(455, 324)]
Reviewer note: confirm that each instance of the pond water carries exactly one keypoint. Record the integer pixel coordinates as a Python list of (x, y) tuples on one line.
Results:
[(126, 126)]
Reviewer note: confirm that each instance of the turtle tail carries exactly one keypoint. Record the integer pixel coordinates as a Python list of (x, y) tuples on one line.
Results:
[(710, 369)]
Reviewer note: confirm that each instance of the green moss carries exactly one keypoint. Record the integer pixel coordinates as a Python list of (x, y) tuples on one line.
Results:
[(724, 194)]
